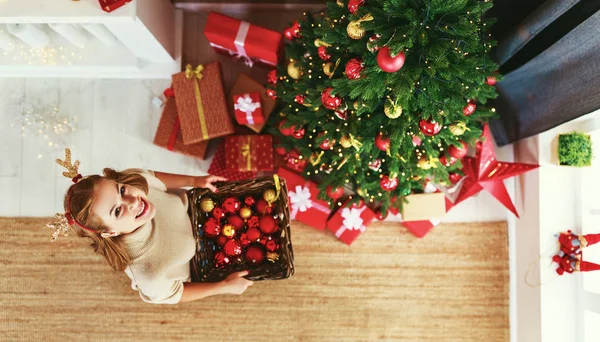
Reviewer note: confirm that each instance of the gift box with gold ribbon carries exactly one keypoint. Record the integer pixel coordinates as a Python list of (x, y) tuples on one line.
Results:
[(201, 103), (249, 153)]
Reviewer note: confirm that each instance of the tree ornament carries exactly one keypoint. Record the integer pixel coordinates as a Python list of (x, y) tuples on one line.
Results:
[(236, 221), (389, 63), (341, 114), (229, 230), (329, 101), (207, 205), (388, 183), (253, 234), (221, 239), (249, 200), (268, 224), (288, 34), (328, 69), (447, 161), (454, 177), (360, 191), (458, 128), (375, 165), (271, 245), (354, 68), (271, 94), (380, 215), (491, 80), (326, 144), (232, 248), (382, 143), (281, 150), (315, 158), (319, 43), (221, 260), (335, 193), (416, 140), (245, 213), (217, 213), (354, 30), (255, 255), (354, 4), (270, 196), (469, 108), (244, 240), (253, 221), (322, 52), (345, 141), (458, 152), (429, 127), (372, 43), (424, 163), (212, 228), (294, 71), (326, 168), (299, 99), (272, 76), (231, 205), (392, 110), (299, 134), (296, 29)]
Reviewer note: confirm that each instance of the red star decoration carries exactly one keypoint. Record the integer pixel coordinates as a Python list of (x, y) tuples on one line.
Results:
[(485, 172)]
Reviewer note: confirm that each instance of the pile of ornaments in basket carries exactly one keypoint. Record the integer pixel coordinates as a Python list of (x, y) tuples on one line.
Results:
[(244, 230)]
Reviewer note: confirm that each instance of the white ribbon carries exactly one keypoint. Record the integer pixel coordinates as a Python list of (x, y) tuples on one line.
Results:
[(247, 59), (300, 200), (352, 220), (245, 104)]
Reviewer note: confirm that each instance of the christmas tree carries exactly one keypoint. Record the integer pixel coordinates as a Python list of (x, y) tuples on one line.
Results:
[(380, 95)]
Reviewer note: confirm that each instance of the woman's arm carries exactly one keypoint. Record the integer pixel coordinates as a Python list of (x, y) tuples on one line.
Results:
[(174, 181), (234, 284)]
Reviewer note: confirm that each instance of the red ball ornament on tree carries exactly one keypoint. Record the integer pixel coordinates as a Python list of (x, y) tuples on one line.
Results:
[(380, 216), (469, 108), (236, 221), (382, 143), (353, 5), (416, 140), (212, 228), (249, 201), (299, 134), (326, 144), (329, 101), (353, 69), (221, 240), (253, 234), (388, 183), (288, 34), (322, 51), (296, 29), (491, 80), (429, 128), (244, 240), (231, 205), (218, 213), (232, 248), (255, 255), (271, 94), (221, 260), (272, 77), (335, 193), (268, 224), (389, 63), (262, 207), (447, 161), (287, 131), (300, 99), (458, 152), (454, 177), (253, 222)]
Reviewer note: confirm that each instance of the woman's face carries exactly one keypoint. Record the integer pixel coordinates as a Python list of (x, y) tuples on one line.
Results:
[(122, 208)]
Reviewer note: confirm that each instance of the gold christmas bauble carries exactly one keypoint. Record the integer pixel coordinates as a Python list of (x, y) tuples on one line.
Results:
[(207, 205), (458, 128), (245, 213), (345, 141), (355, 105), (354, 30), (360, 191), (229, 230), (328, 69), (270, 196), (392, 110), (416, 177), (424, 163), (294, 71)]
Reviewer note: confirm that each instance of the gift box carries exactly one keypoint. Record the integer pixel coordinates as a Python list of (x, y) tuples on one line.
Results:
[(217, 167), (426, 206), (242, 40), (266, 252), (111, 5), (245, 84), (248, 110), (201, 103), (305, 206), (168, 133), (349, 222), (249, 153)]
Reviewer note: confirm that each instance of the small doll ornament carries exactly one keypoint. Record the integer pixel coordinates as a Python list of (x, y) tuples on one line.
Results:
[(570, 257)]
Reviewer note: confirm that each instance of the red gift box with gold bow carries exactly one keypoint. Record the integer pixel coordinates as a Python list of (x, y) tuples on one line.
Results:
[(242, 40), (249, 153), (350, 221)]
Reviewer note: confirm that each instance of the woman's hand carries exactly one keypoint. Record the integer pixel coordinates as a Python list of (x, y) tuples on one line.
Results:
[(206, 182), (236, 283)]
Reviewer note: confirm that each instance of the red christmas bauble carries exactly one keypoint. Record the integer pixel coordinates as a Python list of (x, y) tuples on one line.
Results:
[(249, 201), (372, 43), (255, 255), (272, 76), (280, 150), (326, 144), (287, 131), (271, 245), (221, 260), (236, 221), (429, 128), (375, 165), (388, 183), (388, 63), (272, 94), (380, 216), (353, 5), (268, 224), (458, 152), (469, 108), (447, 161), (253, 222), (335, 193), (221, 240), (322, 51), (296, 29), (218, 213), (382, 143), (491, 80), (262, 207), (454, 177), (329, 101), (288, 34), (253, 234), (299, 134), (169, 92), (416, 140), (354, 68), (212, 228), (231, 205), (232, 248), (244, 240), (300, 99), (341, 114)]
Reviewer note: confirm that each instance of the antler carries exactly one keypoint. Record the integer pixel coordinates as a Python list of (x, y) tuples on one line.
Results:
[(59, 226), (72, 168)]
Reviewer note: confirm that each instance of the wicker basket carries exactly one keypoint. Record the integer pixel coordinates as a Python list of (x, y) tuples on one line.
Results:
[(202, 267)]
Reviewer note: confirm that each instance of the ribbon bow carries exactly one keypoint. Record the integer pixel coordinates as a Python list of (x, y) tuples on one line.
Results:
[(246, 105), (301, 198), (190, 72), (246, 153), (352, 219)]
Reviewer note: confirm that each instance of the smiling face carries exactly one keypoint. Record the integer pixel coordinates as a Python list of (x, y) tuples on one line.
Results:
[(122, 208)]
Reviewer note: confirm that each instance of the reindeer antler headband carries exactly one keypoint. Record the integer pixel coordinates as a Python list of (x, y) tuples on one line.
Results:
[(65, 220)]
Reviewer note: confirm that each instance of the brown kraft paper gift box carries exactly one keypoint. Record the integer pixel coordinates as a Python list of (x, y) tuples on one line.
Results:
[(424, 207), (201, 103), (245, 84)]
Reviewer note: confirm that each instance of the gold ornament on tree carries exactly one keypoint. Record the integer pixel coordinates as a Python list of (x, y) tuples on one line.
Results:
[(207, 205), (345, 141), (316, 158), (294, 71), (424, 163), (329, 68), (458, 128), (339, 3), (392, 109), (270, 196), (319, 43), (245, 213), (355, 30)]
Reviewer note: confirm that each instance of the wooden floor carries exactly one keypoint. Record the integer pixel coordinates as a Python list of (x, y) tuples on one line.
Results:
[(388, 286)]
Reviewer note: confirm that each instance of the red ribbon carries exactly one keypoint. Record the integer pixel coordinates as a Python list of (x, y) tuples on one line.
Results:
[(173, 136)]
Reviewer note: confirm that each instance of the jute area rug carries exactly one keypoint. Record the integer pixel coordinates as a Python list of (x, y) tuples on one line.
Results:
[(451, 285)]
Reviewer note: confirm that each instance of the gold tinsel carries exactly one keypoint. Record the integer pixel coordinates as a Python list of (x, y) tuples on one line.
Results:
[(294, 71), (319, 42), (207, 205), (354, 30)]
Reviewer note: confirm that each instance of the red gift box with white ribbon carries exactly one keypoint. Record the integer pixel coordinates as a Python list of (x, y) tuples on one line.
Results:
[(242, 40), (248, 110), (304, 205), (349, 222)]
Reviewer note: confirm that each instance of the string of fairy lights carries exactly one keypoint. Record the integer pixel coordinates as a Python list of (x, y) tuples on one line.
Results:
[(50, 55)]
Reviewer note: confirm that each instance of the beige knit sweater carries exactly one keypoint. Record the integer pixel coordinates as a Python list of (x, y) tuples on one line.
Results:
[(161, 249)]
